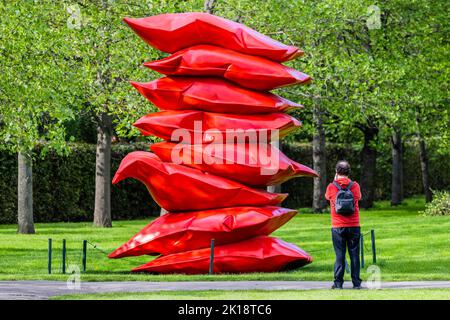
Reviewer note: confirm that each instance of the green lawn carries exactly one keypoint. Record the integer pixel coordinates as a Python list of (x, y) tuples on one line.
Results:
[(409, 247), (393, 294)]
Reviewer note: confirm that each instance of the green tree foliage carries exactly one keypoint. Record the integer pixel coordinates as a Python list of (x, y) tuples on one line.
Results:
[(375, 64), (36, 96), (382, 65), (37, 77)]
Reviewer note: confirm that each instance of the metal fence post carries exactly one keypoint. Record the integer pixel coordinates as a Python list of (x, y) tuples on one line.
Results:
[(64, 256), (362, 251), (49, 256), (211, 258), (83, 262), (374, 251)]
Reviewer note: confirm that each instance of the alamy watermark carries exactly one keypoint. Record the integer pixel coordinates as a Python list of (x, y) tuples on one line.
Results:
[(374, 279), (373, 17), (75, 19), (74, 280)]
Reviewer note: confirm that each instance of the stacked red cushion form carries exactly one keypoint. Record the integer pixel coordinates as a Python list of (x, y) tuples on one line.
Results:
[(175, 31), (180, 188), (209, 127), (186, 231), (259, 254), (217, 84), (252, 164), (211, 95), (245, 70)]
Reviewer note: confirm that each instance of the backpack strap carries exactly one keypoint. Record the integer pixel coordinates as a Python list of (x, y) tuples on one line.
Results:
[(337, 185), (349, 185)]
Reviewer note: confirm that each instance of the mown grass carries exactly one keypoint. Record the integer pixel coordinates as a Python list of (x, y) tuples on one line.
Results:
[(409, 247), (388, 294)]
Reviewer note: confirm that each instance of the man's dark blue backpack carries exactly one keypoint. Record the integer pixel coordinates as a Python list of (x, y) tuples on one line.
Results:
[(345, 204)]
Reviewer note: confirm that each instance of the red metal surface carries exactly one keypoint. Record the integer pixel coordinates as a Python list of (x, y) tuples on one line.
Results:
[(174, 31), (250, 164), (186, 231), (219, 75), (257, 127), (260, 254), (178, 188), (210, 94), (248, 71)]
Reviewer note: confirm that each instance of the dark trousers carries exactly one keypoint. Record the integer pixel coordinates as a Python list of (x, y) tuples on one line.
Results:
[(347, 237)]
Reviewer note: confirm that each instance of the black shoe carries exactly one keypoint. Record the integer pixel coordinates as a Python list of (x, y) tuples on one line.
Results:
[(358, 287), (336, 287)]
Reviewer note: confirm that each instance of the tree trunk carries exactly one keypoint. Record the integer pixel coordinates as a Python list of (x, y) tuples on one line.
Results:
[(424, 168), (369, 158), (319, 163), (102, 212), (209, 8), (402, 176), (275, 188), (423, 153), (397, 168), (25, 194)]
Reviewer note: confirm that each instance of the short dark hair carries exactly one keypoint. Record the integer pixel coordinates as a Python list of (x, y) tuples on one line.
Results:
[(343, 168)]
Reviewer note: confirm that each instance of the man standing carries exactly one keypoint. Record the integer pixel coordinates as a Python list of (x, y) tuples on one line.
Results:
[(344, 195)]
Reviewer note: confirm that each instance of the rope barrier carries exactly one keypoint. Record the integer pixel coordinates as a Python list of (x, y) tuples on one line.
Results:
[(74, 256), (364, 248), (81, 253), (97, 248), (318, 250)]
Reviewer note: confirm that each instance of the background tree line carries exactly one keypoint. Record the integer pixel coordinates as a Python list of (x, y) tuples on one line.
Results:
[(64, 187), (380, 73)]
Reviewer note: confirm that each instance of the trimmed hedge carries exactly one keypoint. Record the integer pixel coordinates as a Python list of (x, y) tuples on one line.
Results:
[(300, 189), (64, 187)]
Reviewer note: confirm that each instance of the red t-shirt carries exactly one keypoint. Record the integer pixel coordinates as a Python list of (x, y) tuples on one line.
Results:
[(338, 220)]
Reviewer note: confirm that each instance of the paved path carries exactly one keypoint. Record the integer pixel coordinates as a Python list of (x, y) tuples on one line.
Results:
[(45, 289)]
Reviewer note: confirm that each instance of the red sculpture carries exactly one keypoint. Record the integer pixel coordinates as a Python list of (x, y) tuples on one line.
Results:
[(214, 126), (174, 31), (212, 95), (178, 232), (260, 254), (226, 126), (179, 188), (250, 164), (245, 70)]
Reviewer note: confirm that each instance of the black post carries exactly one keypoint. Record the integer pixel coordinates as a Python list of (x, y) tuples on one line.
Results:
[(374, 251), (211, 258), (362, 251), (64, 256), (83, 262), (49, 256)]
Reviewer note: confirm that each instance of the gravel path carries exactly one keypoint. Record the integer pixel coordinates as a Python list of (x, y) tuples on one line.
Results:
[(13, 290)]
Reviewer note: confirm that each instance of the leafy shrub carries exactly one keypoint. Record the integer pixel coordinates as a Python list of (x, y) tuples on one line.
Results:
[(64, 187), (440, 206)]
